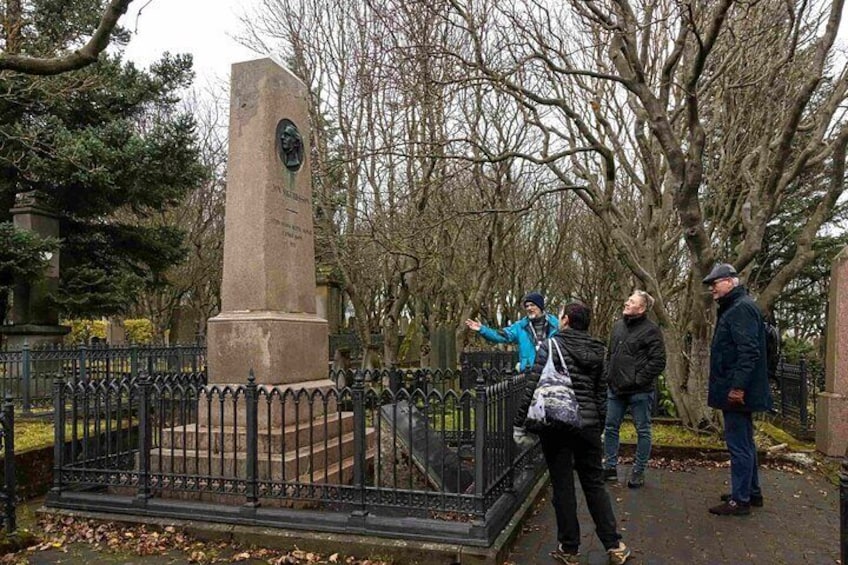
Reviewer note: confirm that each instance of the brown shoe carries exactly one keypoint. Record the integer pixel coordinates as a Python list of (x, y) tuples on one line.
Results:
[(731, 508)]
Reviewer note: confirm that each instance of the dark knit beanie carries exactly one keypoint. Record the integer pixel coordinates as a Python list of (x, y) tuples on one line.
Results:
[(535, 298)]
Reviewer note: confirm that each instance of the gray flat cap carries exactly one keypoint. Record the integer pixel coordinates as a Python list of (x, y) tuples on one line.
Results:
[(720, 271)]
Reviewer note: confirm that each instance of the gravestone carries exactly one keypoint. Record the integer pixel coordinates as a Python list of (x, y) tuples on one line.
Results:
[(268, 319), (443, 352), (328, 299), (34, 320), (115, 332), (438, 462), (832, 404)]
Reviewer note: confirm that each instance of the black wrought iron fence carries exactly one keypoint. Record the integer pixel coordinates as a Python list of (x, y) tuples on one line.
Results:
[(27, 374), (372, 456), (7, 486), (795, 391)]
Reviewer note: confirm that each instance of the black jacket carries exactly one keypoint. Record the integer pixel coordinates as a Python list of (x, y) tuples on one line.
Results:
[(738, 354), (636, 355), (584, 357)]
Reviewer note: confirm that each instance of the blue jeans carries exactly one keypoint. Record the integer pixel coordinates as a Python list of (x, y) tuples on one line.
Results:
[(640, 405), (739, 436)]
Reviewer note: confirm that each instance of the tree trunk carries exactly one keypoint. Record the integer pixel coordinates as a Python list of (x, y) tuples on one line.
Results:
[(688, 376)]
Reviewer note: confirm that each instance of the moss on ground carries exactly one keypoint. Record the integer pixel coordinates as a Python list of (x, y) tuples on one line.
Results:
[(33, 434), (673, 435)]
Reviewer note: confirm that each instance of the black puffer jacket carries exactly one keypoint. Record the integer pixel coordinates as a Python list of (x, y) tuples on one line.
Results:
[(636, 355), (584, 356)]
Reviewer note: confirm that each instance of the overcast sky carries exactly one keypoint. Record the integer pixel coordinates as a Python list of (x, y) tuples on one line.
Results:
[(203, 28)]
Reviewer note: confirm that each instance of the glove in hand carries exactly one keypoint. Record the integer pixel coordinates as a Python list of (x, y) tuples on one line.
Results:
[(522, 438)]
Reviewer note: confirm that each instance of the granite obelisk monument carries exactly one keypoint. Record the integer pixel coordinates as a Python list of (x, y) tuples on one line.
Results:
[(268, 319)]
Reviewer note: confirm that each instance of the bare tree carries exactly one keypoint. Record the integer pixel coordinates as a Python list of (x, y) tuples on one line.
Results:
[(689, 124), (192, 288)]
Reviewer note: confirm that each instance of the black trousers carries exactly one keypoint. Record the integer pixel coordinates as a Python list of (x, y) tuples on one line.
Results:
[(581, 451)]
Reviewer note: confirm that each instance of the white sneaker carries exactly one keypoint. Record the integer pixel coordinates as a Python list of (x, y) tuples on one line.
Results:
[(619, 555)]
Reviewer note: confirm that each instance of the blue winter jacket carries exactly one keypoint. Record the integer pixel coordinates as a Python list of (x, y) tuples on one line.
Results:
[(738, 354), (521, 333)]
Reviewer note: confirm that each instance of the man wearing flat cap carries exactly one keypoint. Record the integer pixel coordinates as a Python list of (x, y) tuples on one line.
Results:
[(738, 384)]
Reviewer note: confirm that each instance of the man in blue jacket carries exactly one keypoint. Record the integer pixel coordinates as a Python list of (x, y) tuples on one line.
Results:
[(528, 332), (738, 384)]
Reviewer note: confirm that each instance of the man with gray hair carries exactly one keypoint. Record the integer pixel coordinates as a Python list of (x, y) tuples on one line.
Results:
[(738, 384), (635, 358)]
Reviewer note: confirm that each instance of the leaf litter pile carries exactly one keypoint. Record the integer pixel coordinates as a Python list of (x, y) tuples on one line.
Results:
[(60, 533)]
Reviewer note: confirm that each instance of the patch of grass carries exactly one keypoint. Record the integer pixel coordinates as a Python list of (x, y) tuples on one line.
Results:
[(765, 435), (35, 434), (666, 434)]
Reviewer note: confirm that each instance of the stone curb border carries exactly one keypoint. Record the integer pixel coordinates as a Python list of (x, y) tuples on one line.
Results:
[(393, 550)]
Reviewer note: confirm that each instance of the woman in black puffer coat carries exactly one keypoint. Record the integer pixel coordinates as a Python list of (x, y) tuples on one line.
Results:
[(578, 450), (584, 356)]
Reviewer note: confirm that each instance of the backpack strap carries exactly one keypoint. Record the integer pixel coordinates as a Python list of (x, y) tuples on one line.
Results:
[(559, 352)]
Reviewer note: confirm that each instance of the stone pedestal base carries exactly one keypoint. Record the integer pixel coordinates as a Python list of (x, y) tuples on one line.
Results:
[(280, 347), (34, 335), (832, 423)]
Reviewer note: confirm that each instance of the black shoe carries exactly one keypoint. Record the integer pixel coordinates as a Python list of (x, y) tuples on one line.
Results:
[(731, 508), (611, 475), (756, 500), (636, 480)]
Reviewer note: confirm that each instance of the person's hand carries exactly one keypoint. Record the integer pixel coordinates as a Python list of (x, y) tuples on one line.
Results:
[(520, 437), (736, 397), (473, 325)]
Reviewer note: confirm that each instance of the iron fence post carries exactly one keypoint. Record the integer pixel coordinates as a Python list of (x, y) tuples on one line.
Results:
[(26, 381), (144, 439), (86, 401), (133, 361), (9, 461), (843, 508), (359, 447), (150, 361), (83, 374), (252, 487), (58, 433), (480, 433), (781, 383), (804, 391), (511, 449)]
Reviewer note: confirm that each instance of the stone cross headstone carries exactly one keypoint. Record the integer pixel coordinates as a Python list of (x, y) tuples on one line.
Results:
[(832, 404), (268, 319)]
